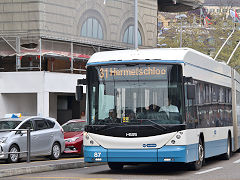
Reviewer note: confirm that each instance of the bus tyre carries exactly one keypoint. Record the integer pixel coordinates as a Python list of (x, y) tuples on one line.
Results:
[(227, 155), (196, 165), (115, 166), (56, 151), (13, 158)]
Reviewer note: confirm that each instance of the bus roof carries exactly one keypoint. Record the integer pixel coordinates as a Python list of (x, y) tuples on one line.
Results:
[(145, 54), (196, 64)]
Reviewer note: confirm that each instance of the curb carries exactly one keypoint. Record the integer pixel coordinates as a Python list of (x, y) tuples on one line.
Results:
[(44, 168)]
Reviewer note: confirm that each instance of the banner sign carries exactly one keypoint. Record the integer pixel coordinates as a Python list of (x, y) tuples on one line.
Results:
[(133, 73)]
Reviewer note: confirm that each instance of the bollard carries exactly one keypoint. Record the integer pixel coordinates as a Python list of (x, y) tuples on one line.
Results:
[(28, 145)]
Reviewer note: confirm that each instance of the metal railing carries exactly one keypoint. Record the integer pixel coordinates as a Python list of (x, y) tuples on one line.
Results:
[(28, 142)]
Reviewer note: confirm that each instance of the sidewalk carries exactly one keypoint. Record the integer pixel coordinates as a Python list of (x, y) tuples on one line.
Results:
[(42, 165)]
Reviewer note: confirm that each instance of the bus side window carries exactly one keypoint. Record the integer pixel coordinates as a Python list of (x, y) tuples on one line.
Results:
[(191, 111)]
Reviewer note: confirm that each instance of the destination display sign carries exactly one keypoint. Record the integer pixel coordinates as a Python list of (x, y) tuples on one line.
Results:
[(133, 73)]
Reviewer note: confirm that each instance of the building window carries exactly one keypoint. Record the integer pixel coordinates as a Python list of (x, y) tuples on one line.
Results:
[(92, 28), (128, 36)]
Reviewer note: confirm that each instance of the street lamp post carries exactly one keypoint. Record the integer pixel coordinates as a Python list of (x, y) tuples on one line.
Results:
[(181, 16), (135, 24), (181, 34)]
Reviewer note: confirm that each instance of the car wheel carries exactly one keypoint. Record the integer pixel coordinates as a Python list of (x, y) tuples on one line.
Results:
[(115, 166), (56, 151), (13, 158), (196, 165)]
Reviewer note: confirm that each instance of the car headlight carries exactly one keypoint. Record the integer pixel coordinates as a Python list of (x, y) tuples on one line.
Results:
[(3, 139), (71, 139)]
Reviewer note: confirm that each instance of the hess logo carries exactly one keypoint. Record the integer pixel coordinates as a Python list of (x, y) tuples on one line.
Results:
[(131, 134)]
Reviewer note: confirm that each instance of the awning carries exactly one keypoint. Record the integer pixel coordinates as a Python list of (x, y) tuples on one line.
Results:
[(45, 53), (55, 53), (47, 48)]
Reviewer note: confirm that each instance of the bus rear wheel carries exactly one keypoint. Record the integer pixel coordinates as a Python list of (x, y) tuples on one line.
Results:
[(115, 166), (196, 165), (227, 155)]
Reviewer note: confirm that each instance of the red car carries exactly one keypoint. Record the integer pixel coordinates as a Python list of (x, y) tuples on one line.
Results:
[(73, 135)]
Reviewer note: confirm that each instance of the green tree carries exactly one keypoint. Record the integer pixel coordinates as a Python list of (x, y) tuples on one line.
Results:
[(205, 38)]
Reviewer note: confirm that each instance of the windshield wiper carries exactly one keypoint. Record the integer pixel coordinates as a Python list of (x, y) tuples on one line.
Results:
[(113, 125), (158, 125)]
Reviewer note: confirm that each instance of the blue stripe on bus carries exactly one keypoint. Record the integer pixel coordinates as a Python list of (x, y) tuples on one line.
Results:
[(94, 154), (185, 154), (132, 155), (133, 61), (178, 153), (152, 61), (174, 153), (213, 148)]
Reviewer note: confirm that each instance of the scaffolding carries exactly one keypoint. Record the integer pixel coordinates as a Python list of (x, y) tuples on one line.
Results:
[(41, 49)]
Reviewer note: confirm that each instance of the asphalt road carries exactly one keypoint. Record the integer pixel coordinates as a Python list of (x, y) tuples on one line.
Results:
[(215, 168)]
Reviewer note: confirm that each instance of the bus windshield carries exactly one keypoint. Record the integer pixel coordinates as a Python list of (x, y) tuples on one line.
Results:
[(135, 94)]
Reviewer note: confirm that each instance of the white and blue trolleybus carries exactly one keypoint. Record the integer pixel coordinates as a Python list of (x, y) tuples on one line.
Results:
[(160, 105)]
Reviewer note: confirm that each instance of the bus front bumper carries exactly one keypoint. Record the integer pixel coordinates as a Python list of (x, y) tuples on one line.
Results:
[(165, 154)]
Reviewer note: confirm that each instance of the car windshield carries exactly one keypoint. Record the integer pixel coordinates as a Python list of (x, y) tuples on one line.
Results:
[(135, 94), (73, 126), (9, 124)]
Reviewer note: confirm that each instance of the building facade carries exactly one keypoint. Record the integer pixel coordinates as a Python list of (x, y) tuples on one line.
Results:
[(44, 47)]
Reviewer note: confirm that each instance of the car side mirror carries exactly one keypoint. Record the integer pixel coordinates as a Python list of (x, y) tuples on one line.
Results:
[(82, 82), (191, 91), (20, 132)]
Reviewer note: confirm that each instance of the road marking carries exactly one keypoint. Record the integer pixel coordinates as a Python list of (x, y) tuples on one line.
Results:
[(210, 170), (238, 161), (82, 178)]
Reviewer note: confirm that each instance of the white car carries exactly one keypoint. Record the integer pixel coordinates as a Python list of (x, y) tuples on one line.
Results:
[(47, 137)]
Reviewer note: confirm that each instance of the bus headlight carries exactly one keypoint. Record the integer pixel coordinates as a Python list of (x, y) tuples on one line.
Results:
[(87, 137), (88, 140), (178, 136), (178, 139)]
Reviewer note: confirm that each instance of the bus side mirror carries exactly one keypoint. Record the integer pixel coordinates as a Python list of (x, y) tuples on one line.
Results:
[(82, 82), (79, 93), (191, 91)]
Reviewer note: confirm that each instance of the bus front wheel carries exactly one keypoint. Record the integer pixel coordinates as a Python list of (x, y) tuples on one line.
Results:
[(196, 165), (115, 166)]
